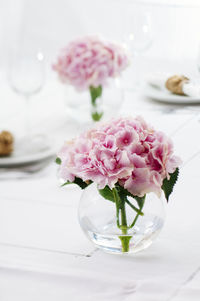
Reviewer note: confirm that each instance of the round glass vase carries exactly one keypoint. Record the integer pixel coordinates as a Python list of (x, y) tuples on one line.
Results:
[(81, 108), (97, 217)]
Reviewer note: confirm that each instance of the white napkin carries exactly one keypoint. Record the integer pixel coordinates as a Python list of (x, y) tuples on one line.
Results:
[(192, 89)]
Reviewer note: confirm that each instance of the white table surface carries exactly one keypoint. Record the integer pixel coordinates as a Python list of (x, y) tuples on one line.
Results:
[(44, 254)]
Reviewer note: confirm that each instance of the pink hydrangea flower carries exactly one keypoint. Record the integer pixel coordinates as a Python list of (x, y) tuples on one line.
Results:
[(90, 61), (126, 151)]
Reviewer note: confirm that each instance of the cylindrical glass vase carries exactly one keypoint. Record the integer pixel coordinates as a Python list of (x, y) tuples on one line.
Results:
[(97, 217)]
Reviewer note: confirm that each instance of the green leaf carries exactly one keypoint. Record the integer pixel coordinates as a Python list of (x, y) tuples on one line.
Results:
[(95, 92), (168, 185), (79, 182), (107, 194), (58, 161), (140, 200)]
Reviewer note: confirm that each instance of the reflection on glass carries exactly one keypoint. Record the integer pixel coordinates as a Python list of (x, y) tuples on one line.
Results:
[(26, 77), (138, 37)]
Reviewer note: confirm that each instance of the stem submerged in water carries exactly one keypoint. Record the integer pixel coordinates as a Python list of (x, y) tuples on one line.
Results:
[(136, 217), (95, 93), (121, 210), (124, 239)]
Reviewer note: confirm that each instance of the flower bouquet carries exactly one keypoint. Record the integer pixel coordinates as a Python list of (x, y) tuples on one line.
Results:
[(87, 63), (127, 160)]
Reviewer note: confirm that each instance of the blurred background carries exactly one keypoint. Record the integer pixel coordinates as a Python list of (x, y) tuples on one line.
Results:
[(51, 24), (161, 36)]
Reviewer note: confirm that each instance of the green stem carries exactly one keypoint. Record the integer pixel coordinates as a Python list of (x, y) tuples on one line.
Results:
[(124, 239), (95, 92), (123, 218), (136, 217), (116, 199), (134, 208), (120, 206)]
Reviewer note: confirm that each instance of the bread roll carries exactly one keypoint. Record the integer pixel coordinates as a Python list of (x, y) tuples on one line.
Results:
[(6, 143), (175, 84)]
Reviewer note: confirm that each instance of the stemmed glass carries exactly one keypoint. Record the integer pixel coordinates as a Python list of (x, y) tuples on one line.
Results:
[(138, 37), (26, 77)]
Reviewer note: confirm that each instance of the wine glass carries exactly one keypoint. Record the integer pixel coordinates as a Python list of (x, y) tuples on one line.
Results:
[(26, 77), (138, 37)]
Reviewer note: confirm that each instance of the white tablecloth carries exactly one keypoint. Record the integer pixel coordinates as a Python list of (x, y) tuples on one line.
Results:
[(44, 255)]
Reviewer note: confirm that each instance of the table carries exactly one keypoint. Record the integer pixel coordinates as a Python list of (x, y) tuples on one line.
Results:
[(41, 260)]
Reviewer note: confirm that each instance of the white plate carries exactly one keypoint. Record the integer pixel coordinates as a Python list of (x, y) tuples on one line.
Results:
[(21, 157), (26, 159), (163, 95)]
